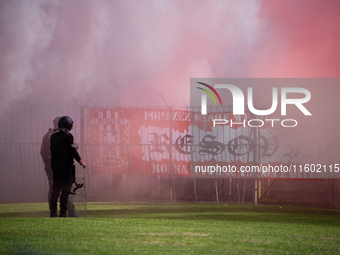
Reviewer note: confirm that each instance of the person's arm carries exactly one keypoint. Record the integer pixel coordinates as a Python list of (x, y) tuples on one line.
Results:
[(82, 163), (75, 153), (45, 150)]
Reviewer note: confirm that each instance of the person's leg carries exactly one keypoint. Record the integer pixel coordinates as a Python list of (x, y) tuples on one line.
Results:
[(50, 185), (54, 198), (65, 191)]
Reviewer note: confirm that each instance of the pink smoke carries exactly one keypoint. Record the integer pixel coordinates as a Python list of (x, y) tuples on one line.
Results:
[(127, 52)]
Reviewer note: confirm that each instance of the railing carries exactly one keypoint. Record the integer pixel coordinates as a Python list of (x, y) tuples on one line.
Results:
[(140, 168)]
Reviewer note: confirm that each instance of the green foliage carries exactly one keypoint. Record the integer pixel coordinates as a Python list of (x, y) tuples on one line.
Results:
[(153, 228)]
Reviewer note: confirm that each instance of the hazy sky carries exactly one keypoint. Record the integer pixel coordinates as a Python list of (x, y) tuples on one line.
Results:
[(127, 52)]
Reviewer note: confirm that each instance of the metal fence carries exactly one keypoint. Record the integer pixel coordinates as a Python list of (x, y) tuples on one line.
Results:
[(23, 177)]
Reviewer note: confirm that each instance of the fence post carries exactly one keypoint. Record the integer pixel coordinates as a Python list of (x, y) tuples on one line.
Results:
[(170, 156), (153, 192), (256, 161), (82, 127)]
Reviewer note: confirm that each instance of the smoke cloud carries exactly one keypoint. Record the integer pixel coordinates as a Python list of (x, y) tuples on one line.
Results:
[(298, 39), (126, 52), (121, 52)]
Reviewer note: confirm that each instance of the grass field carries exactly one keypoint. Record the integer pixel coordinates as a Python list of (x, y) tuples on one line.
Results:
[(164, 228)]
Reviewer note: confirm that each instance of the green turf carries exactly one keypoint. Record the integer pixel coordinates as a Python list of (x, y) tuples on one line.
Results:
[(179, 228)]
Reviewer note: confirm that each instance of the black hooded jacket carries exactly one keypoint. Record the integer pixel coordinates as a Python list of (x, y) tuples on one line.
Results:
[(63, 151)]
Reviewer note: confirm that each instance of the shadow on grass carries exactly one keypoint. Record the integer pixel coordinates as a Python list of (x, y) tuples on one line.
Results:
[(229, 213), (208, 212), (37, 214)]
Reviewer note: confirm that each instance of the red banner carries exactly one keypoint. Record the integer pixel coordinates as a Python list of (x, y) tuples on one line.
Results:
[(138, 141)]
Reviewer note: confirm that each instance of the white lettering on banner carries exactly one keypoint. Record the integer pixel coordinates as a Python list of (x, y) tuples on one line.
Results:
[(107, 121), (197, 116), (159, 168), (180, 169), (164, 169), (154, 115), (165, 115), (159, 140)]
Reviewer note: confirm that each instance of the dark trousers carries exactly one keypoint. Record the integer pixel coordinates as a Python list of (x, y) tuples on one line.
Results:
[(50, 190), (61, 183)]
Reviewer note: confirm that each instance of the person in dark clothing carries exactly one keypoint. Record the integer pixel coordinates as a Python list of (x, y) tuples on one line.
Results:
[(45, 152), (63, 153)]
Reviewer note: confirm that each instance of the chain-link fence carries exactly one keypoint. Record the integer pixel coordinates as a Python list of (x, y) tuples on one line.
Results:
[(146, 154)]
